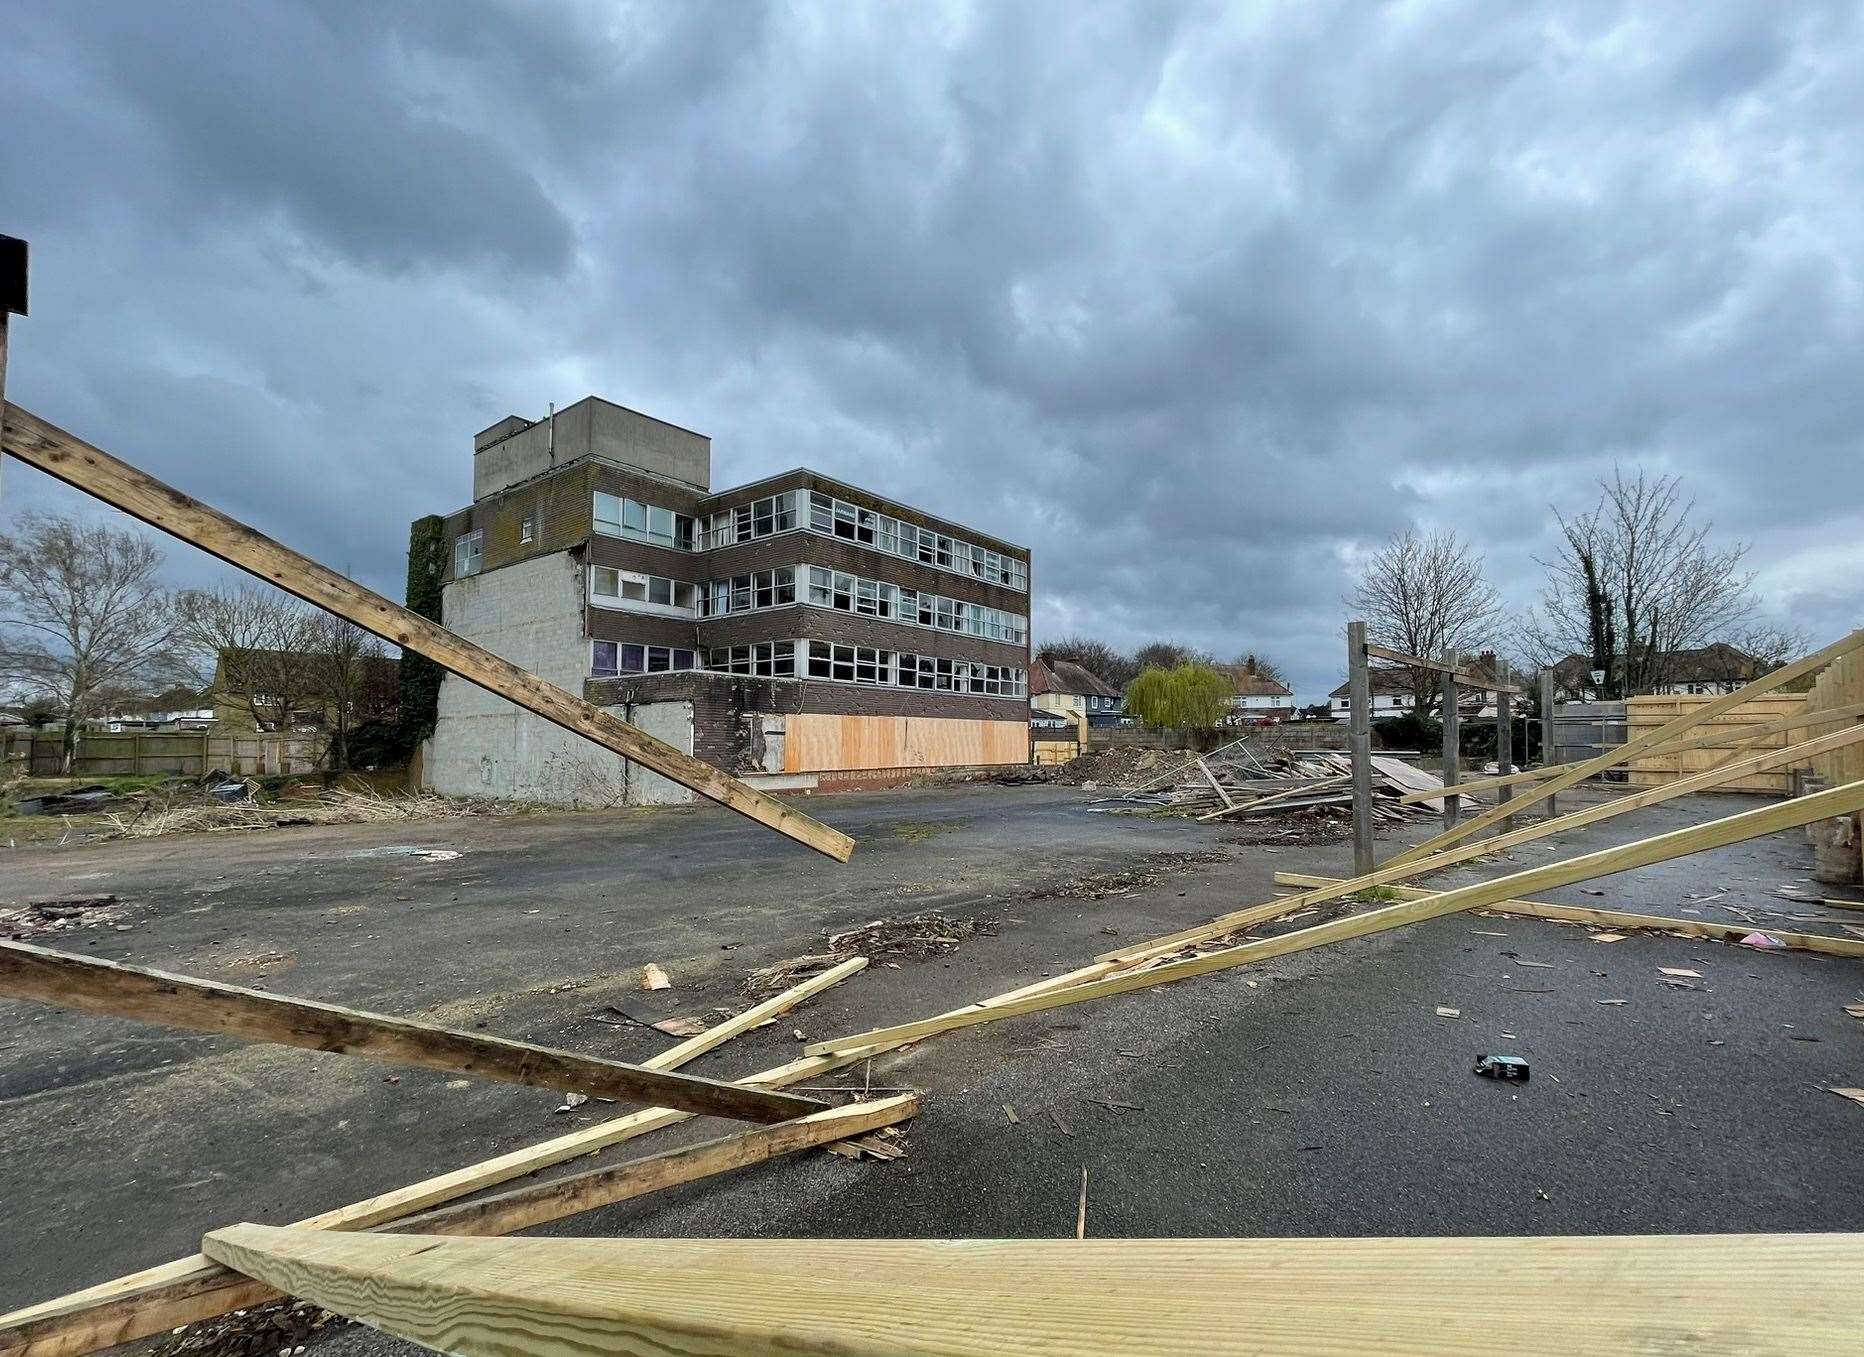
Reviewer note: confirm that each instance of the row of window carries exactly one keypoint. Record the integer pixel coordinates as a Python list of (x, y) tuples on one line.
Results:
[(776, 588), (773, 514), (613, 587), (819, 660), (903, 669), (621, 517), (608, 659), (876, 598), (841, 519)]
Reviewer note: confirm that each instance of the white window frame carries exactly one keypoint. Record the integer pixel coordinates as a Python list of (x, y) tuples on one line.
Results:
[(468, 553)]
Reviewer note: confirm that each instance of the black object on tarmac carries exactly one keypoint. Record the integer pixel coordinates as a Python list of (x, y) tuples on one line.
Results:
[(1501, 1066)]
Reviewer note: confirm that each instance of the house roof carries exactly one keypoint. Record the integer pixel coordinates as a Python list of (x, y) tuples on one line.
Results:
[(1067, 677), (1717, 662), (1397, 679), (1250, 683)]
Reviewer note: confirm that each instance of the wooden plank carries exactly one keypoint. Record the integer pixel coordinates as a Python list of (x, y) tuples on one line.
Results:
[(1399, 870), (1757, 1295), (1624, 857), (191, 1289), (93, 985), (1215, 786), (1469, 678), (1618, 918), (1306, 787), (525, 1208), (1611, 758), (94, 471)]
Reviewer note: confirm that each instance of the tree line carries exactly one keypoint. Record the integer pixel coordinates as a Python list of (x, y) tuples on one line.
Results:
[(88, 627)]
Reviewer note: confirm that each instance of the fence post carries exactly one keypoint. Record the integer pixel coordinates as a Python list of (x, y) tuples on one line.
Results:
[(1359, 689), (1452, 743), (1504, 743), (1546, 730)]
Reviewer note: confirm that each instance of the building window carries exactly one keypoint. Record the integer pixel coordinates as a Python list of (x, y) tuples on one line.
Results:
[(526, 529), (610, 659), (620, 517), (765, 659), (613, 588), (468, 553), (604, 661)]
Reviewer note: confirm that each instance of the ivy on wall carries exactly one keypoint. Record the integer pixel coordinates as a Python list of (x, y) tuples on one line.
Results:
[(420, 676)]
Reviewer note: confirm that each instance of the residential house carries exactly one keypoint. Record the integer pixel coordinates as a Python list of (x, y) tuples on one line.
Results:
[(1064, 686), (1709, 670), (1392, 693), (175, 709), (1259, 699), (793, 627)]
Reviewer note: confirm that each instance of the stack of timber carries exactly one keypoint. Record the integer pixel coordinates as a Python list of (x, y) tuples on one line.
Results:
[(1234, 783)]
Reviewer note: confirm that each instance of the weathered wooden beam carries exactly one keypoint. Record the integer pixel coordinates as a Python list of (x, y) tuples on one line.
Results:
[(1469, 678), (1400, 870), (1631, 748), (1546, 1296), (191, 1289), (70, 459), (1618, 918), (1677, 843), (1359, 742), (93, 985)]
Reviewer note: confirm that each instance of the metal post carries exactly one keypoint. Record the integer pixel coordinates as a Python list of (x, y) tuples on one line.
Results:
[(13, 254), (1546, 730), (1504, 744), (1359, 731), (1452, 745)]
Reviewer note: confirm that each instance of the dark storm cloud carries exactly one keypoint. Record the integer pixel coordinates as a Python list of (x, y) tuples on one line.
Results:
[(1199, 302)]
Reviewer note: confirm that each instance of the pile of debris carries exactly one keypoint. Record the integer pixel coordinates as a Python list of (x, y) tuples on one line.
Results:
[(1235, 782), (214, 816)]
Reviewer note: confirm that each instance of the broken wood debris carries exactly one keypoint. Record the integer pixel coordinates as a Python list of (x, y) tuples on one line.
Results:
[(1236, 782)]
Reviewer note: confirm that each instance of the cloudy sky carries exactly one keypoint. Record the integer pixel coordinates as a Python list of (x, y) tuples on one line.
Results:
[(1201, 302)]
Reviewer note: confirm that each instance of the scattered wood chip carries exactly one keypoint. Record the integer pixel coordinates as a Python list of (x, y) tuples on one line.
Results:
[(1855, 1010), (1681, 972), (679, 1027), (652, 977), (1443, 1012), (1060, 1125), (1587, 890), (1080, 1221), (571, 1101), (1610, 1003), (1608, 937), (1487, 933), (1856, 1095), (1542, 965), (1010, 1112)]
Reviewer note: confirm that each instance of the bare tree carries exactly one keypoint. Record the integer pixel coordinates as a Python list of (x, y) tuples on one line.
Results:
[(256, 642), (1169, 655), (345, 664), (1260, 665), (83, 618), (1097, 657), (1636, 580), (1427, 596)]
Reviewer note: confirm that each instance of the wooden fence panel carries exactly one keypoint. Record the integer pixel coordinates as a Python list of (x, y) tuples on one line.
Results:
[(1644, 714), (161, 753)]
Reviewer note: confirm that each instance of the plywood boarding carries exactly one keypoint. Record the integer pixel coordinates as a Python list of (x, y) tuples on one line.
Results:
[(1645, 714), (1056, 751), (1840, 854), (815, 742)]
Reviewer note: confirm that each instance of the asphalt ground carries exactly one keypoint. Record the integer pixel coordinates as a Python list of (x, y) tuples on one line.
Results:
[(1315, 1094)]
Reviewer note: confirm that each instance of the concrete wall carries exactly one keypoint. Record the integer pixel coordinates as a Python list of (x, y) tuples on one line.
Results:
[(593, 427), (531, 614)]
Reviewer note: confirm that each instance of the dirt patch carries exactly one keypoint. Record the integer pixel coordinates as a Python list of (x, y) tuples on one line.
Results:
[(1099, 885), (918, 831), (1120, 767)]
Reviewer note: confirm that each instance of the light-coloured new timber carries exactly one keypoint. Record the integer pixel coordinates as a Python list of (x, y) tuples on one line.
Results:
[(1552, 1296), (1401, 870), (93, 985), (1618, 918), (1637, 745), (1677, 843), (191, 1289), (70, 459), (1735, 739)]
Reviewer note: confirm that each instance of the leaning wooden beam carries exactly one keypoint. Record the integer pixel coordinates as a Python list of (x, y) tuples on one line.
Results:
[(1642, 853), (525, 1208), (1611, 758), (93, 985), (1403, 871), (1215, 785), (1468, 678), (1738, 738), (1547, 1296), (191, 1289), (1618, 918), (94, 471), (1319, 785)]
